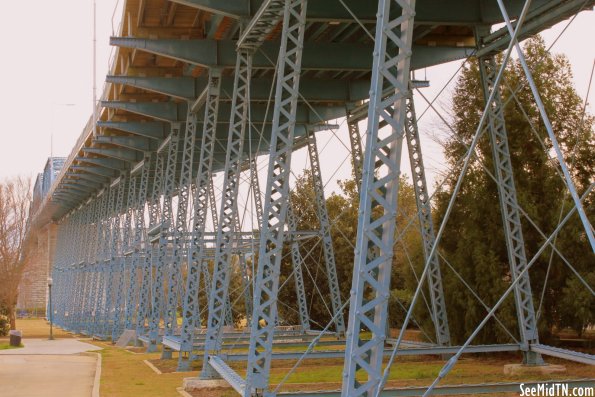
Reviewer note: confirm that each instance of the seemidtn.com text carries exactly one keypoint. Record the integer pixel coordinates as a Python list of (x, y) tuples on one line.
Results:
[(555, 390)]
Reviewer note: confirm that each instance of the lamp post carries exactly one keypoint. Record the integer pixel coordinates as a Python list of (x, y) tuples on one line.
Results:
[(50, 282)]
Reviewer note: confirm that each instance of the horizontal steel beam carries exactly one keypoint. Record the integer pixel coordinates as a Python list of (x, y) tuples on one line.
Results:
[(312, 90), (179, 87), (81, 175), (157, 130), (131, 156), (112, 164), (316, 56), (563, 353), (539, 19), (387, 352), (83, 182), (165, 111), (91, 169), (306, 114), (129, 142), (227, 373), (456, 12)]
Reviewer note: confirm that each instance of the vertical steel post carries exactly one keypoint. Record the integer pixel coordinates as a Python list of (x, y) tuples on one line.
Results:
[(118, 260), (272, 236), (378, 205), (298, 276), (424, 213), (228, 212), (196, 248), (137, 268), (325, 232), (509, 207), (357, 153), (179, 228), (158, 290)]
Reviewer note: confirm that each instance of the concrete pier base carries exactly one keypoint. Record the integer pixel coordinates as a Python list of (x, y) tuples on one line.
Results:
[(192, 384), (522, 369)]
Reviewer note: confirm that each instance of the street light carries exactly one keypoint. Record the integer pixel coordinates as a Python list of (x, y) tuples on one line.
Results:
[(50, 282)]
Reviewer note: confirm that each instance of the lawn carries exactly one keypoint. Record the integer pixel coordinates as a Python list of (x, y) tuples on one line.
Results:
[(124, 372), (38, 328), (7, 346)]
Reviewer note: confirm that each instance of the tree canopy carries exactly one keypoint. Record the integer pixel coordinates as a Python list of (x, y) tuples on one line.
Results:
[(15, 197), (474, 241)]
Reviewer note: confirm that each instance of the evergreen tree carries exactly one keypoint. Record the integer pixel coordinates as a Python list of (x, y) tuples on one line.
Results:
[(473, 241), (343, 215)]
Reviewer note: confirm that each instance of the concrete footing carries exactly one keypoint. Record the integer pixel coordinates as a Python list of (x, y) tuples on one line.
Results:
[(522, 369), (191, 384)]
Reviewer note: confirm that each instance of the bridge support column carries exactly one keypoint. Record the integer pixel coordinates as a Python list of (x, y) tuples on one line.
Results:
[(196, 254), (511, 217), (276, 201), (298, 263), (117, 262), (325, 232), (426, 224), (163, 251), (227, 231), (154, 164), (380, 184)]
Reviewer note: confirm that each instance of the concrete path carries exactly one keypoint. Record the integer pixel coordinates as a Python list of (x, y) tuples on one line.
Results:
[(57, 346), (48, 369)]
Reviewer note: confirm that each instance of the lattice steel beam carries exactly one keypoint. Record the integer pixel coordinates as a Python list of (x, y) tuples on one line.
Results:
[(325, 232), (276, 197), (375, 237), (190, 312), (426, 224), (510, 211), (210, 53), (179, 229), (297, 262), (160, 264), (228, 212), (152, 164)]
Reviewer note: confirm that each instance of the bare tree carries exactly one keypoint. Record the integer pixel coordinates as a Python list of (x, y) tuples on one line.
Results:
[(15, 197)]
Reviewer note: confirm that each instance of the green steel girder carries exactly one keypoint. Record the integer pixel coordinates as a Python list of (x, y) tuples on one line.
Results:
[(74, 191), (166, 111), (112, 164), (157, 130), (212, 25), (129, 142), (91, 178), (316, 56), (537, 20), (96, 170), (179, 87), (131, 156), (306, 114), (84, 182), (68, 186), (65, 204), (452, 12), (66, 199), (313, 90)]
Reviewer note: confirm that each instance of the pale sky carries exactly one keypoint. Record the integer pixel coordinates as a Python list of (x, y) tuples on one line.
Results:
[(46, 80)]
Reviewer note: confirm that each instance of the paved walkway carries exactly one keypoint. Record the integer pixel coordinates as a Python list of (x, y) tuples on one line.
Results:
[(46, 368)]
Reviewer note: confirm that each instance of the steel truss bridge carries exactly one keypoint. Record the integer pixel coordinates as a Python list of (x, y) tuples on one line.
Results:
[(199, 91)]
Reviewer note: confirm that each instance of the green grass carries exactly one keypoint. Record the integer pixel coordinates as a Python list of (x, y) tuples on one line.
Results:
[(124, 374), (6, 346)]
